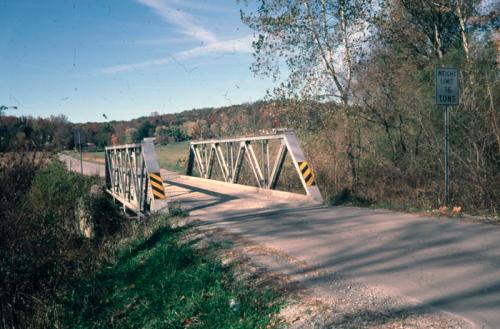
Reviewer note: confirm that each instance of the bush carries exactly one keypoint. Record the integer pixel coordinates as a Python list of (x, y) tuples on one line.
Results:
[(42, 248), (346, 197)]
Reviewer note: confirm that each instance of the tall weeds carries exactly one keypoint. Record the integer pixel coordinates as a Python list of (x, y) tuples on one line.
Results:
[(41, 248)]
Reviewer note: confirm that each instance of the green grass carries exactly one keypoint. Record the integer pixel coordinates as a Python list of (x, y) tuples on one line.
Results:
[(158, 282), (172, 155)]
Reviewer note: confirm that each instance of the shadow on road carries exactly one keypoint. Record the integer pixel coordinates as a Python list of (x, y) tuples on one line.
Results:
[(187, 197), (441, 263)]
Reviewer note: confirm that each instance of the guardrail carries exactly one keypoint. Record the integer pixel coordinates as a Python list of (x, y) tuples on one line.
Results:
[(231, 153)]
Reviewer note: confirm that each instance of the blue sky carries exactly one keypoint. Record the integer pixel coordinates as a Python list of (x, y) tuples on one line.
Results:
[(124, 58)]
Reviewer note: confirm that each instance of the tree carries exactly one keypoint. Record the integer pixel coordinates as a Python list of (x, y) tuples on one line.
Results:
[(189, 128), (146, 129), (114, 139), (130, 134), (103, 135), (441, 24), (162, 134), (196, 129), (61, 132), (395, 91), (176, 134), (319, 41)]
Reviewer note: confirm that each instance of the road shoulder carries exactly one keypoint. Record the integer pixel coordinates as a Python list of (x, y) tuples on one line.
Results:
[(346, 304)]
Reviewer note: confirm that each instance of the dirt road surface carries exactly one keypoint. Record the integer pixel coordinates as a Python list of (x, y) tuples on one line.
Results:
[(427, 264)]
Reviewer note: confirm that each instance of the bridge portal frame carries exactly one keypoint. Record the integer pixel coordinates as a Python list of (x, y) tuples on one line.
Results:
[(230, 153), (133, 177)]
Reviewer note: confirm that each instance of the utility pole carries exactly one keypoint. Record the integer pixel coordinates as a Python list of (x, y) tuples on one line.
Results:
[(81, 157)]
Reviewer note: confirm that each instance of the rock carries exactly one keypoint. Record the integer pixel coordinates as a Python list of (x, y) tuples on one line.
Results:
[(83, 214), (96, 190), (84, 218), (233, 304)]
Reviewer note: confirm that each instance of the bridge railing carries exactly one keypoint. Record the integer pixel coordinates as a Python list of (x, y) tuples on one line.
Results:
[(133, 177), (230, 154)]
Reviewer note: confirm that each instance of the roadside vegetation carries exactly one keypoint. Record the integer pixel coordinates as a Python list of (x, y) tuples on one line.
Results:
[(155, 281), (125, 273)]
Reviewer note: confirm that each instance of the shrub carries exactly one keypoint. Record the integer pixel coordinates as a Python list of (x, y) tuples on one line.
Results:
[(42, 248)]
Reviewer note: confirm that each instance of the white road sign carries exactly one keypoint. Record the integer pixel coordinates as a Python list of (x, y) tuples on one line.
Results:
[(446, 86)]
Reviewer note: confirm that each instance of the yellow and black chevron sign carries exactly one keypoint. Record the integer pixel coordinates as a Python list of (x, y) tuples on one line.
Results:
[(157, 185), (307, 173)]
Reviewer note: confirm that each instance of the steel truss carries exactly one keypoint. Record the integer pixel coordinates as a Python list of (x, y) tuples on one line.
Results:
[(133, 177), (230, 154)]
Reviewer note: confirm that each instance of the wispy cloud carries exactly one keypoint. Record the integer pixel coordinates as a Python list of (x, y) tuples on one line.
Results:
[(187, 25), (181, 19), (205, 6), (136, 66), (152, 42), (241, 45)]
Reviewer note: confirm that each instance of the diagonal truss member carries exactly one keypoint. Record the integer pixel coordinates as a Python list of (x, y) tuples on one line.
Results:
[(231, 153), (133, 177)]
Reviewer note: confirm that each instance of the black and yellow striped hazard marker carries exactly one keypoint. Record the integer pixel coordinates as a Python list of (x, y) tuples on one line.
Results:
[(157, 185), (307, 173)]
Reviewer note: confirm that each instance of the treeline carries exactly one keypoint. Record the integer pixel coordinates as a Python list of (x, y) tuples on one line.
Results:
[(199, 123), (57, 133), (35, 133)]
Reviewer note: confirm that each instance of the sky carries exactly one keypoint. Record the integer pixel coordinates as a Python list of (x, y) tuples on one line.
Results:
[(124, 58)]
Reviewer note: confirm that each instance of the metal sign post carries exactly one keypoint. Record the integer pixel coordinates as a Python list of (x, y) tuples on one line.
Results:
[(446, 154), (447, 94)]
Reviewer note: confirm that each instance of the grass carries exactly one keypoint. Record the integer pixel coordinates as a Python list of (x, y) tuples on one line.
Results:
[(159, 282), (93, 157), (171, 156)]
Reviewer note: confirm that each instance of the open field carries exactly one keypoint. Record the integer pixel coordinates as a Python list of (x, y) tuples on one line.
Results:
[(171, 156), (94, 157)]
